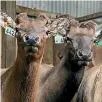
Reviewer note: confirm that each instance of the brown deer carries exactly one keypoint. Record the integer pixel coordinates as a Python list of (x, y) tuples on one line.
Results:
[(19, 83), (90, 89)]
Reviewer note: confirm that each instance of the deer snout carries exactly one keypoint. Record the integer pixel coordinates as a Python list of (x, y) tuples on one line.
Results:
[(31, 40), (85, 54)]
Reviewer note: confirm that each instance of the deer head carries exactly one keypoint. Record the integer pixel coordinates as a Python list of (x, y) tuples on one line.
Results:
[(31, 35)]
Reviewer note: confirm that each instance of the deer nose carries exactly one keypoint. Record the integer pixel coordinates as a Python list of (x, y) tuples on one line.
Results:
[(85, 55), (31, 39)]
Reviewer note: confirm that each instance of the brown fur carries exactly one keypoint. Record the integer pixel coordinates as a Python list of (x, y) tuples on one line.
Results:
[(90, 88), (20, 82)]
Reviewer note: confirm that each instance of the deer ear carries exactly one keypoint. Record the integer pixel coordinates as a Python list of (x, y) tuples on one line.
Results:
[(17, 20), (24, 16), (74, 22), (21, 16)]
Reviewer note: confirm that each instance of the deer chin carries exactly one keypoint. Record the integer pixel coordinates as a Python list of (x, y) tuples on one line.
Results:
[(30, 50), (84, 63)]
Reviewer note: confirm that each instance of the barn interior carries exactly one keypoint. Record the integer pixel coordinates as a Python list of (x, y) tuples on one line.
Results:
[(80, 10)]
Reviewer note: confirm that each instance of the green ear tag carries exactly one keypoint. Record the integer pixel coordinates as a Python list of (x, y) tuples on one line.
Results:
[(99, 43)]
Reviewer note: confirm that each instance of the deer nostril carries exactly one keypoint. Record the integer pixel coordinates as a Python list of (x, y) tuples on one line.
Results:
[(80, 53), (47, 32), (16, 29), (27, 37), (36, 39)]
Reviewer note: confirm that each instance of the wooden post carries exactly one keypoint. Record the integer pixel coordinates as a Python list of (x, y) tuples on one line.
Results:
[(8, 48)]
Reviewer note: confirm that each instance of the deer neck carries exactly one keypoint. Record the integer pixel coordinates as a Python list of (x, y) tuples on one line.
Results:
[(26, 75)]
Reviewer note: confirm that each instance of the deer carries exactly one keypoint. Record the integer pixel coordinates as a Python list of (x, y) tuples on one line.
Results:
[(90, 87), (19, 83), (60, 83)]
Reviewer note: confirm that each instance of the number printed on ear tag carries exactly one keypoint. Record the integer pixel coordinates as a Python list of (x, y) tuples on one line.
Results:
[(99, 43), (10, 31), (59, 39)]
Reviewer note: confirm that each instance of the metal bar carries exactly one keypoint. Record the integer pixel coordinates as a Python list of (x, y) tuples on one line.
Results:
[(34, 12), (89, 17)]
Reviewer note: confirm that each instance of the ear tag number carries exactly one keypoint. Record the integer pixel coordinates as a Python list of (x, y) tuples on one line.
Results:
[(59, 39), (10, 31)]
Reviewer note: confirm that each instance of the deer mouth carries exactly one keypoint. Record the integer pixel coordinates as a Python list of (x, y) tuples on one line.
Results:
[(84, 63), (30, 50)]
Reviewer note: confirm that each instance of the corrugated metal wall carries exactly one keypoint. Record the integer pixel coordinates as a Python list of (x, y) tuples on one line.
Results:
[(74, 8)]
